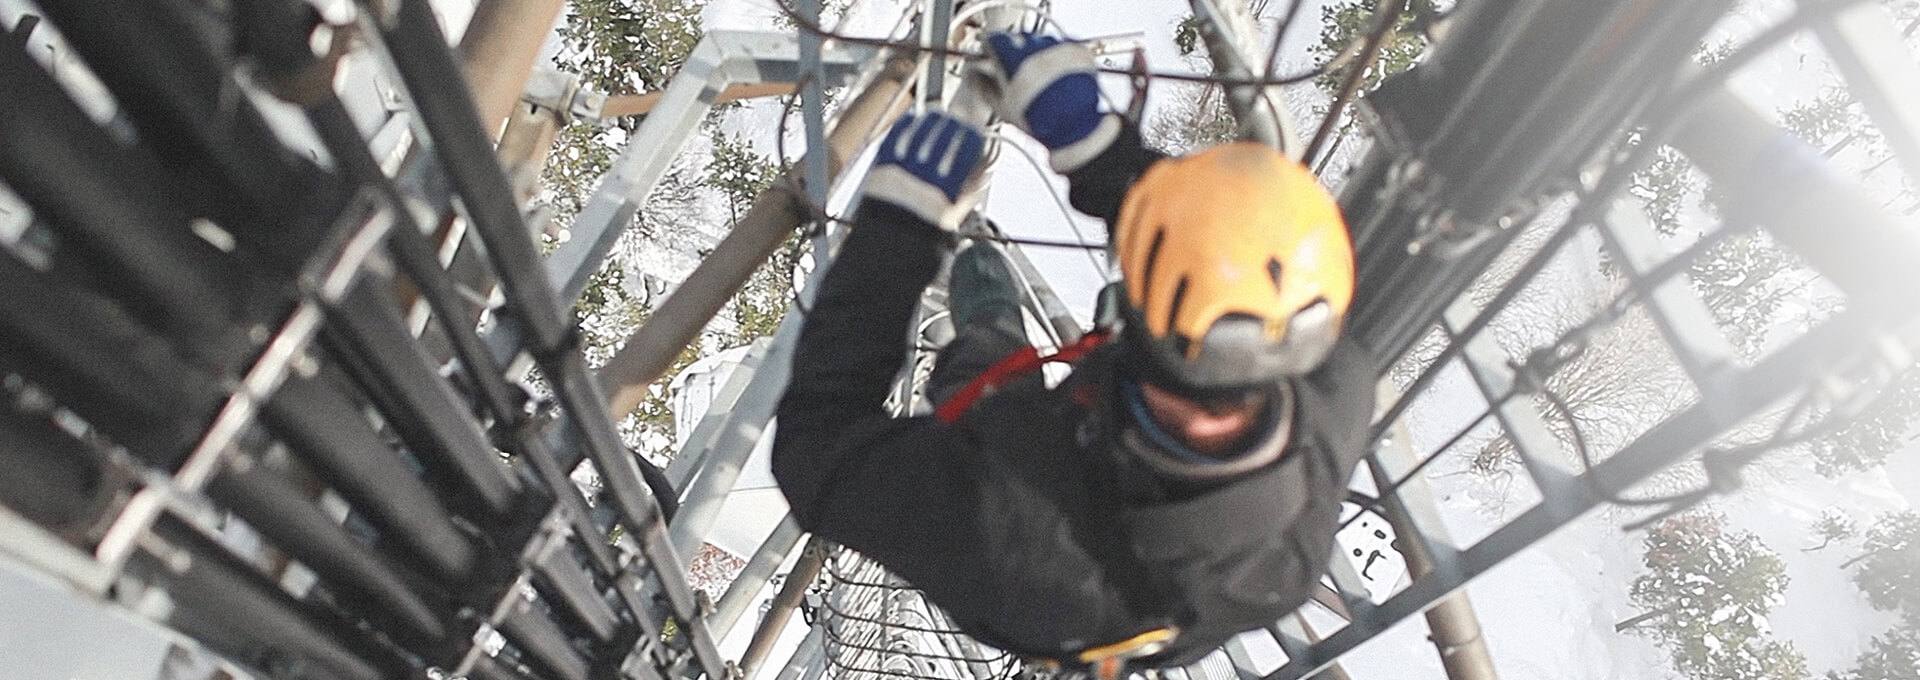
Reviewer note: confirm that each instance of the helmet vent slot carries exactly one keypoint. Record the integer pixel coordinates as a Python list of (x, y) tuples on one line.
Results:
[(1273, 271), (1153, 258), (1173, 309)]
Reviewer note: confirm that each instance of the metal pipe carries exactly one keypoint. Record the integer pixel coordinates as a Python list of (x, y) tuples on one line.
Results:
[(1454, 629), (441, 98), (524, 146), (816, 170), (117, 209), (739, 432), (281, 513), (328, 432), (691, 458), (632, 496), (624, 186), (719, 57), (754, 576), (569, 583), (234, 610), (619, 470), (936, 31), (777, 212), (680, 598), (1455, 633), (1334, 671), (416, 257), (52, 479), (176, 89), (545, 645), (808, 657), (371, 338), (1226, 27), (1472, 135), (118, 376), (413, 38), (812, 559), (620, 106), (498, 51), (490, 668)]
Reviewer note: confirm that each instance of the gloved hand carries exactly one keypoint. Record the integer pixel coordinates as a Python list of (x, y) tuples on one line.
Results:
[(925, 165), (1048, 90)]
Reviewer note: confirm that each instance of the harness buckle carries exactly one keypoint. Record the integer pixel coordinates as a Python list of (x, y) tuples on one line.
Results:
[(1111, 661)]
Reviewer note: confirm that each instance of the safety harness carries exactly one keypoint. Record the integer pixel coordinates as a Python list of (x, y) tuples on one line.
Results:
[(1104, 662), (1011, 367), (1112, 662)]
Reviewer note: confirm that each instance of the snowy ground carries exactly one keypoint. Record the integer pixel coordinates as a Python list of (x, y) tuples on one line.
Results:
[(1549, 612), (1546, 613)]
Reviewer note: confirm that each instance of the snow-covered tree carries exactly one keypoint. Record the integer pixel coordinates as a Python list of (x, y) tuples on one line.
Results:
[(1834, 525), (1667, 188), (1349, 21), (1192, 116), (1346, 24), (1609, 392), (1699, 571), (739, 174), (1892, 656), (1875, 432), (632, 47), (1706, 594), (1200, 117), (1195, 118), (1888, 570), (1757, 658)]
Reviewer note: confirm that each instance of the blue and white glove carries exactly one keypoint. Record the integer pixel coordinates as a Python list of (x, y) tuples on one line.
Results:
[(925, 166), (1048, 90)]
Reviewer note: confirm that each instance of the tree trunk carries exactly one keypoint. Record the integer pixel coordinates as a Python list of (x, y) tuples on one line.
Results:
[(1642, 618)]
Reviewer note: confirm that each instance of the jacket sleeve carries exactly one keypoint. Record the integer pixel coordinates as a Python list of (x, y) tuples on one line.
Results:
[(1099, 187), (852, 344), (902, 490)]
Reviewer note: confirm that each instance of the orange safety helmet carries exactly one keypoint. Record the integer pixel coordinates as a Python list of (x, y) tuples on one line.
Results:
[(1237, 267)]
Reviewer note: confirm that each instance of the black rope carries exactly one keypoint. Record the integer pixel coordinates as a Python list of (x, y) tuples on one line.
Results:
[(1724, 465)]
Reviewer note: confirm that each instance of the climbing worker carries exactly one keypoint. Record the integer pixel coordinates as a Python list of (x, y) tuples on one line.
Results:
[(1182, 484)]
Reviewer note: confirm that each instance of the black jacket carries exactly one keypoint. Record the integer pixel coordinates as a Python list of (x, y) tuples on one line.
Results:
[(1023, 520)]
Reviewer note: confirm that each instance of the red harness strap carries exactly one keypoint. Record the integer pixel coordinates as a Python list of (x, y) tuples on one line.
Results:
[(1021, 362)]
